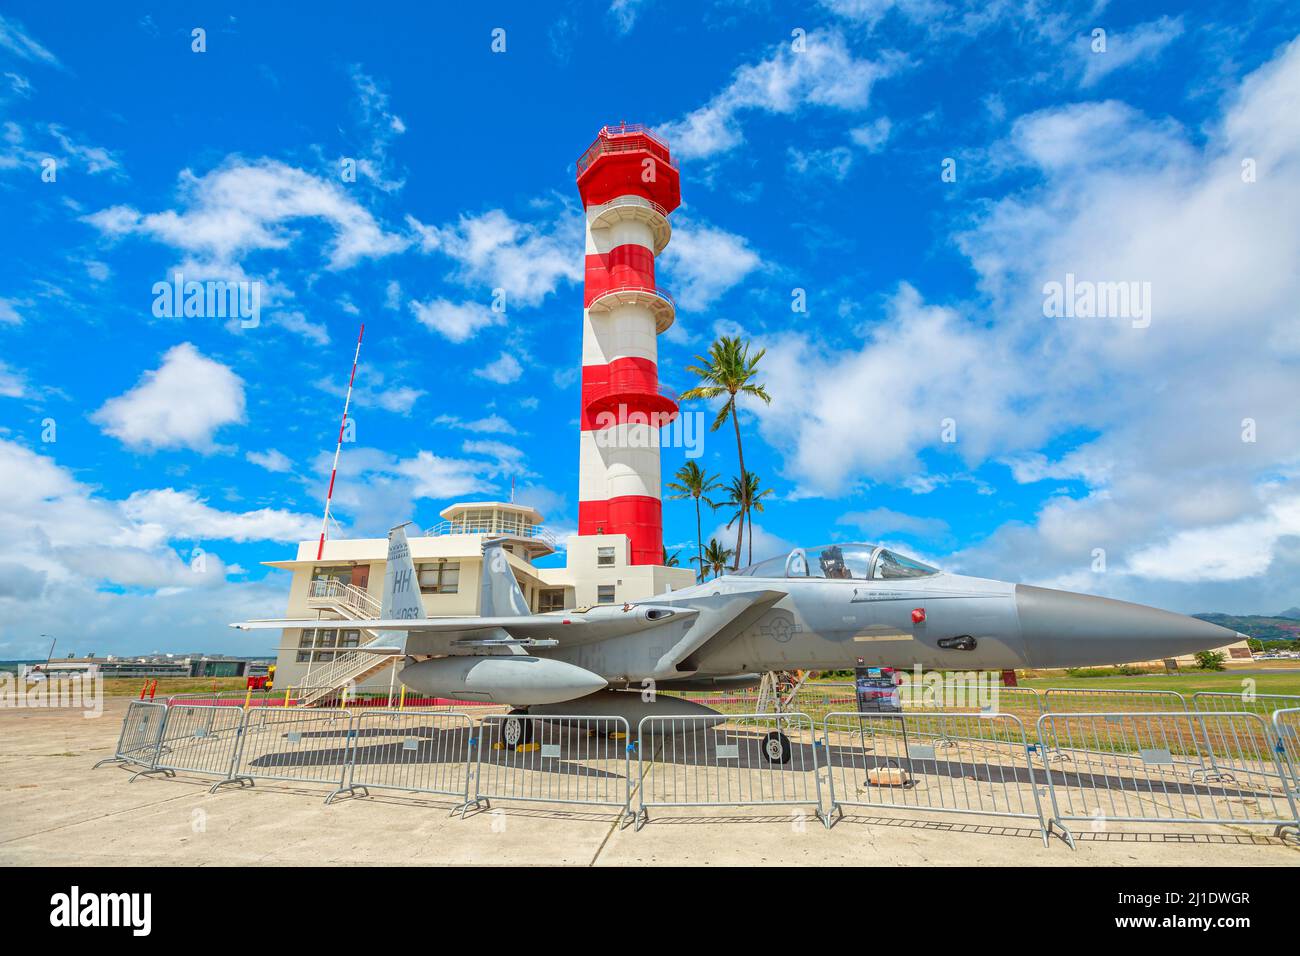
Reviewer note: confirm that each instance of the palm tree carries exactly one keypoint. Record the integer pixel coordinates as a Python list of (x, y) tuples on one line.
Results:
[(715, 558), (694, 482), (746, 501), (728, 371), (671, 560)]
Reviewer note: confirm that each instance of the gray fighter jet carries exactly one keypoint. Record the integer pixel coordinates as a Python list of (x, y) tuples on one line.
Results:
[(822, 608)]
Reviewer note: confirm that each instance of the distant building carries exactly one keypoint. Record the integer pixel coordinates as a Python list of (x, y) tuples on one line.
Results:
[(165, 665)]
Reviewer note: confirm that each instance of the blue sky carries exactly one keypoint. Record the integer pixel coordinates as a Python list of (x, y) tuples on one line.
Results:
[(812, 141)]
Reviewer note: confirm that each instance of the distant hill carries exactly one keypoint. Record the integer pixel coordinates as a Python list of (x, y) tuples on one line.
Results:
[(1283, 627), (1291, 612)]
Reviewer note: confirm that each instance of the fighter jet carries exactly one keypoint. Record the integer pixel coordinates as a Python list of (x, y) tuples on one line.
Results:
[(822, 608)]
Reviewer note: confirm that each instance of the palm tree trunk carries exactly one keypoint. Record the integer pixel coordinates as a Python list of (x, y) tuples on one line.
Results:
[(744, 482), (699, 538)]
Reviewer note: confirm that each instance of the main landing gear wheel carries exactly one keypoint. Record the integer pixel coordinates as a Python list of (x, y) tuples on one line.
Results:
[(516, 732), (776, 747)]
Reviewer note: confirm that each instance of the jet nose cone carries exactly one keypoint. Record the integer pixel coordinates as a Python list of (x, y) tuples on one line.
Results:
[(1064, 629)]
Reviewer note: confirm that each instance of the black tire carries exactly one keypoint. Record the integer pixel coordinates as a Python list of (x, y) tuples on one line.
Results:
[(776, 747), (516, 732)]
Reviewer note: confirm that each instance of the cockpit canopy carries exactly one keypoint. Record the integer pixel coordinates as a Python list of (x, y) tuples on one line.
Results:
[(861, 562)]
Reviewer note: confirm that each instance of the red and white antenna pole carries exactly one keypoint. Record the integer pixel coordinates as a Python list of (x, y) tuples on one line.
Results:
[(329, 495)]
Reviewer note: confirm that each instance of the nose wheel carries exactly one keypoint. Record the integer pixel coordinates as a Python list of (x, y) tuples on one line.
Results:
[(776, 747), (516, 732)]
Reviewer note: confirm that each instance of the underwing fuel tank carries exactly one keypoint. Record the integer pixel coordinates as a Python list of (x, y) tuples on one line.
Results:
[(516, 680)]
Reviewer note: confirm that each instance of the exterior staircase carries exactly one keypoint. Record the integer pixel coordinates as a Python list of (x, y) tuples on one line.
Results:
[(348, 666)]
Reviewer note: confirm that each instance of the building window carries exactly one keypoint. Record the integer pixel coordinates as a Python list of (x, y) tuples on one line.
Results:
[(550, 599), (441, 577), (324, 641), (604, 557), (605, 594)]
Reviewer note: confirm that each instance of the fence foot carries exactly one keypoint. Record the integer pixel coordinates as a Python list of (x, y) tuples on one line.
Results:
[(349, 790), (1066, 835), (641, 819), (242, 781), (478, 803), (150, 770), (831, 816), (1287, 831), (108, 760)]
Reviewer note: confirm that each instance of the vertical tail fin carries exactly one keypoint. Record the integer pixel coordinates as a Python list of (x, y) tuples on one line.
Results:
[(499, 594), (401, 589)]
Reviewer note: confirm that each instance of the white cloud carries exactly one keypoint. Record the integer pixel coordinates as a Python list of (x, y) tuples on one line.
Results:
[(872, 136), (489, 424), (825, 73), (503, 371), (1143, 43), (181, 514), (455, 321), (18, 41), (9, 314), (382, 126), (703, 263), (244, 207), (13, 384), (833, 163), (298, 324), (527, 260), (624, 13), (178, 405), (270, 459)]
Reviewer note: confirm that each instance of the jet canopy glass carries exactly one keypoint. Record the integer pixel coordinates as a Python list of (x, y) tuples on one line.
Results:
[(862, 562)]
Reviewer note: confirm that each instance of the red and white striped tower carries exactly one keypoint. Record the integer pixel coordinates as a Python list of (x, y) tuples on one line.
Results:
[(629, 185)]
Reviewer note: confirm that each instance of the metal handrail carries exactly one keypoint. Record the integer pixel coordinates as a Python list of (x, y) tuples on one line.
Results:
[(631, 388), (637, 201), (532, 532), (604, 145), (346, 594), (635, 288)]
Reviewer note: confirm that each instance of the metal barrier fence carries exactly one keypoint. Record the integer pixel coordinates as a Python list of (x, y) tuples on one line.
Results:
[(1286, 730), (730, 761), (141, 737), (203, 738), (564, 759), (1160, 767), (412, 751), (947, 763), (297, 745), (1163, 767), (1262, 704)]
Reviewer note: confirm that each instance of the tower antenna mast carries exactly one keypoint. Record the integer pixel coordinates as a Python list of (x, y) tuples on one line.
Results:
[(329, 495)]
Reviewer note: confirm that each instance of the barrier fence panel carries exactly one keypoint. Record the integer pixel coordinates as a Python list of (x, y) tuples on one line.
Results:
[(561, 759), (203, 738), (1286, 731), (301, 745), (818, 700), (1262, 704), (948, 763), (1166, 768), (412, 751), (141, 737), (727, 761)]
